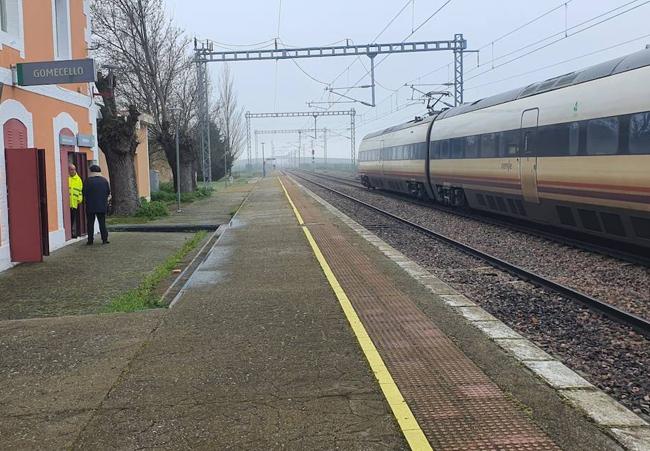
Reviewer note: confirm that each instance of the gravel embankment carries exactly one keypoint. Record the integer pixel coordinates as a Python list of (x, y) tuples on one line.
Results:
[(608, 279), (611, 356)]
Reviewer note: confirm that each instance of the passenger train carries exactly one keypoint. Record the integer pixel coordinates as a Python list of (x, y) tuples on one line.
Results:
[(572, 151)]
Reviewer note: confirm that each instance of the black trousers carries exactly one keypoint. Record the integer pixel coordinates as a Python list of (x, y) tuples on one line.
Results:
[(74, 222), (90, 220)]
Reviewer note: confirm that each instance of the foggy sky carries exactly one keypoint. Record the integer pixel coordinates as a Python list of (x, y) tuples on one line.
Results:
[(268, 86)]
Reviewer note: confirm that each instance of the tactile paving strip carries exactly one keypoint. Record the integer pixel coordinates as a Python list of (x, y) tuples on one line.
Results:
[(455, 403)]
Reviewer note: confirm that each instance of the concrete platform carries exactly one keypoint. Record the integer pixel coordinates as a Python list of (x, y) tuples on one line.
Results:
[(257, 353)]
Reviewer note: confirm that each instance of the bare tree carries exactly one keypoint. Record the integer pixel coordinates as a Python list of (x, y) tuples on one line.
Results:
[(152, 60), (231, 118), (118, 141)]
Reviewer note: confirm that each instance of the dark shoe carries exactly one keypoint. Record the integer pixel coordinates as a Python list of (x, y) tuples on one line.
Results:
[(106, 242), (89, 243)]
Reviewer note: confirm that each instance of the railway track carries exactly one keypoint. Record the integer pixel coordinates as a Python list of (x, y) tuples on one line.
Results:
[(561, 236), (609, 310)]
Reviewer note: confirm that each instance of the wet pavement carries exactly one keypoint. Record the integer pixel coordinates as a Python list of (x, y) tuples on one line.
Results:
[(254, 355)]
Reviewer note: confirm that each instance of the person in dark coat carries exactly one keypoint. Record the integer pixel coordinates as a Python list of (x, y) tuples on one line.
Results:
[(95, 192)]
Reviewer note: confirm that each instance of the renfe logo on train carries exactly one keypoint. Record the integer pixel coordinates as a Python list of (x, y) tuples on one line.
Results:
[(56, 72)]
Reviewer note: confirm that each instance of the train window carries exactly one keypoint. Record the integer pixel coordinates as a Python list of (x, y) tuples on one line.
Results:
[(509, 143), (444, 149), (472, 146), (457, 147), (640, 133), (602, 136), (574, 138), (434, 150), (490, 145), (423, 151), (553, 140)]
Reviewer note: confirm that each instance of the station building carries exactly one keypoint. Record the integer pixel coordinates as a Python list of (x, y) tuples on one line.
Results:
[(60, 120)]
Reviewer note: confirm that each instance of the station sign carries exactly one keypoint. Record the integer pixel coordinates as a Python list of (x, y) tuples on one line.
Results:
[(85, 140), (56, 72), (66, 140)]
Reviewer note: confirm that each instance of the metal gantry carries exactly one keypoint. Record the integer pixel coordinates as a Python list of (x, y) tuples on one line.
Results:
[(208, 55), (315, 114), (204, 53), (295, 131)]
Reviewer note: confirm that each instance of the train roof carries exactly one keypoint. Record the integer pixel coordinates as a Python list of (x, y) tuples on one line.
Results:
[(606, 69)]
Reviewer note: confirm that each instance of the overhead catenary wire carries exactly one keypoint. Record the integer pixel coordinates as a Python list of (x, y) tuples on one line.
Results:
[(565, 33), (308, 74), (521, 27), (566, 36), (436, 12), (585, 55), (587, 24), (358, 58), (526, 24)]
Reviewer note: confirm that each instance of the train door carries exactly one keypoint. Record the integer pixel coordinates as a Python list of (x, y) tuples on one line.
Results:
[(527, 158)]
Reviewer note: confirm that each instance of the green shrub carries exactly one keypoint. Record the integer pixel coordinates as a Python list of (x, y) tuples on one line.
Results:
[(188, 197), (163, 196), (152, 210), (204, 191), (167, 187)]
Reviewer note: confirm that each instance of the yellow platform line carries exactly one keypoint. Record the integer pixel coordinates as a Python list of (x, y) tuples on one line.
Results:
[(407, 422)]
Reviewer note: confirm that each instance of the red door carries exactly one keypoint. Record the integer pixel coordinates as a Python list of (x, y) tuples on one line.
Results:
[(25, 195), (24, 201), (65, 188)]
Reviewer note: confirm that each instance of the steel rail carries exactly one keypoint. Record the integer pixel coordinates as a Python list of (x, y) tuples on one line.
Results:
[(609, 310), (514, 224)]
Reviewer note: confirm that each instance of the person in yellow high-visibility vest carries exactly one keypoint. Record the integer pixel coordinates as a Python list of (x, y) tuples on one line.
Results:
[(75, 184)]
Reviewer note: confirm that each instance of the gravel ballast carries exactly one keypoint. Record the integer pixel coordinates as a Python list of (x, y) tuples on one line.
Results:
[(612, 356)]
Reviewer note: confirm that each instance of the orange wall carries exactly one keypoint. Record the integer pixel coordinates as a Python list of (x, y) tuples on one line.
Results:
[(142, 163), (38, 32), (39, 46), (44, 110)]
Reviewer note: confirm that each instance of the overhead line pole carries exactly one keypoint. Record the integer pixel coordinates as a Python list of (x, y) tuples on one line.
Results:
[(298, 131), (352, 113), (204, 53)]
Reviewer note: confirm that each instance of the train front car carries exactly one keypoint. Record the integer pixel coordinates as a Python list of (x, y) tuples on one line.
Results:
[(572, 151), (395, 159)]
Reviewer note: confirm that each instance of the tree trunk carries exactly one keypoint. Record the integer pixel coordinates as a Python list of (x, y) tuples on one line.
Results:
[(187, 177), (124, 188)]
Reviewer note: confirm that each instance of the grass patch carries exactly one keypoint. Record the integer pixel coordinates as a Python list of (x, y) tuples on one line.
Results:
[(143, 297), (114, 220)]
